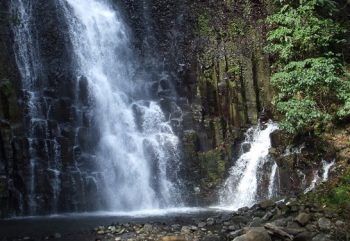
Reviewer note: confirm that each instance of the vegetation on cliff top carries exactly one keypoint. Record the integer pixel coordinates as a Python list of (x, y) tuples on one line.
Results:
[(306, 41)]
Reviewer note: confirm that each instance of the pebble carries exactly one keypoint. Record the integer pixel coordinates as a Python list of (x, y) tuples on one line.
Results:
[(201, 225)]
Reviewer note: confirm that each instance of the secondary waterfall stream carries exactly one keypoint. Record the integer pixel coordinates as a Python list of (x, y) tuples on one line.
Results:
[(240, 188)]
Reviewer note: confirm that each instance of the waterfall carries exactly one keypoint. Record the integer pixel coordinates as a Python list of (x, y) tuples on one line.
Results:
[(137, 151), (240, 188), (272, 182), (326, 166), (36, 110)]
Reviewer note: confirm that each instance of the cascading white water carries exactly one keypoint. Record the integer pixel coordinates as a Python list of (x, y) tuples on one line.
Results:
[(272, 181), (25, 61), (240, 188), (134, 152), (326, 166), (36, 115)]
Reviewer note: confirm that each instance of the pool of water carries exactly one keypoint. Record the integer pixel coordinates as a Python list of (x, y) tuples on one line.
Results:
[(82, 224)]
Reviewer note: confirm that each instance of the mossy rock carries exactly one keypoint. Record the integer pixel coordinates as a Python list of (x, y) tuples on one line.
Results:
[(9, 107), (213, 165)]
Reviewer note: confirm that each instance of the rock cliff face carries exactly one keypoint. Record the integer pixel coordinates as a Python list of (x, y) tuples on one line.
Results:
[(10, 111), (210, 77), (45, 124), (209, 74), (213, 61), (227, 84)]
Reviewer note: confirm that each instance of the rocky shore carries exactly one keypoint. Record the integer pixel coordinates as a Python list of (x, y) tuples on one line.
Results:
[(266, 221), (285, 220)]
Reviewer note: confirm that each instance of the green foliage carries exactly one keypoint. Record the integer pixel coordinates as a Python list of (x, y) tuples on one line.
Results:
[(204, 26), (334, 195), (300, 115), (312, 89), (301, 33), (340, 194)]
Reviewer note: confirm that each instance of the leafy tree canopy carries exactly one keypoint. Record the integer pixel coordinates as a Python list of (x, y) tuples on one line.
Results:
[(312, 87)]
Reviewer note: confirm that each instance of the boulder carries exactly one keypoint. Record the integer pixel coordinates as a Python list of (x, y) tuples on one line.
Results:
[(210, 221), (324, 223), (172, 238), (257, 222), (277, 231), (241, 238), (147, 228), (201, 224), (304, 236), (322, 237), (239, 220), (236, 233), (266, 204), (255, 234), (211, 238), (303, 218)]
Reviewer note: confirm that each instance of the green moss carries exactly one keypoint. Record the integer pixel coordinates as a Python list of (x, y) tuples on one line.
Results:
[(191, 145), (204, 27), (340, 195), (213, 165), (332, 195), (9, 107)]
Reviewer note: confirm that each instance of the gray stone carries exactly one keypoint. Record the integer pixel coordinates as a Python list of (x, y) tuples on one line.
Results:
[(311, 227), (233, 227), (280, 222), (266, 204), (210, 221), (267, 216), (194, 228), (255, 234), (236, 233), (185, 230), (324, 223), (304, 236), (241, 238), (57, 235), (339, 223), (303, 218), (201, 224), (322, 237), (211, 238), (147, 228), (239, 220), (293, 224), (257, 222)]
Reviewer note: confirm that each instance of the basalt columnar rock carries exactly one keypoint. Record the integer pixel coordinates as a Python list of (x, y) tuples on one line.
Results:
[(209, 86), (208, 71)]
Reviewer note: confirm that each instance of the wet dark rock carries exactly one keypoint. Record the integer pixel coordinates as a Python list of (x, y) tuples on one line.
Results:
[(324, 223), (304, 236), (202, 224), (236, 233), (255, 234), (303, 218), (210, 221), (293, 224), (266, 204), (240, 220), (322, 237), (257, 222), (211, 238)]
